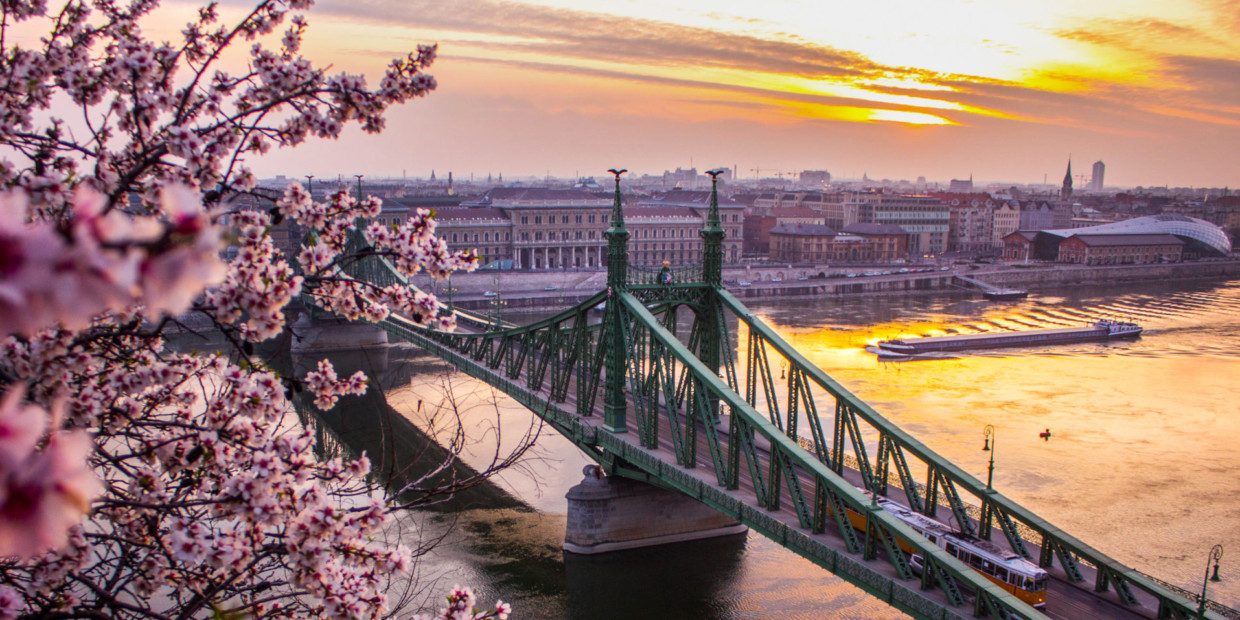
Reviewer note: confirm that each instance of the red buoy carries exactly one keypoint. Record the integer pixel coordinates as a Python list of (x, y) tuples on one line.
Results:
[(1045, 435)]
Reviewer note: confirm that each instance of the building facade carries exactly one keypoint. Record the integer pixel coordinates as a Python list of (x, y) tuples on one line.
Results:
[(971, 225), (1121, 249), (925, 218), (801, 243), (890, 242), (1006, 220)]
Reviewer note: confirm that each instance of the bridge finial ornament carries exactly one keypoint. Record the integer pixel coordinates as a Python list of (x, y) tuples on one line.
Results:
[(712, 235), (617, 217)]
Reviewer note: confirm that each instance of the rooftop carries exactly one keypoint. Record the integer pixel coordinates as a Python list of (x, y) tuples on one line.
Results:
[(803, 230), (445, 214), (689, 198), (1121, 240), (875, 229)]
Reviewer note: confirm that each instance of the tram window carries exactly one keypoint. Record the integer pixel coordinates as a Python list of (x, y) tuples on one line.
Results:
[(1028, 584), (951, 548), (1001, 573), (975, 561), (933, 538)]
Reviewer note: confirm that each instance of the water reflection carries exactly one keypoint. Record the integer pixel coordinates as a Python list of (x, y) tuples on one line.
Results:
[(703, 572), (1142, 459)]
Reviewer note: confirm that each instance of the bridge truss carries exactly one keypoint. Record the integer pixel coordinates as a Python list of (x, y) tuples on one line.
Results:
[(700, 411)]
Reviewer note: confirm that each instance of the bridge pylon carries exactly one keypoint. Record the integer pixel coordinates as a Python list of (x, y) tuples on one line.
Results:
[(614, 404)]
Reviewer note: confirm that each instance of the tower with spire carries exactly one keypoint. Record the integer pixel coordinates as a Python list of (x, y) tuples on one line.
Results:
[(1065, 193)]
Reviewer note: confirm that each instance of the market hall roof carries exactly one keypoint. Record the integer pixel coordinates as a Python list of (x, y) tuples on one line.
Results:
[(1202, 231), (1126, 240)]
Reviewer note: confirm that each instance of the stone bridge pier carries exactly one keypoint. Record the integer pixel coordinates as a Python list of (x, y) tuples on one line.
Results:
[(610, 513), (322, 334)]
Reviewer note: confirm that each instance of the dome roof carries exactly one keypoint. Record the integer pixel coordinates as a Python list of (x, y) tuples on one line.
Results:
[(1182, 226)]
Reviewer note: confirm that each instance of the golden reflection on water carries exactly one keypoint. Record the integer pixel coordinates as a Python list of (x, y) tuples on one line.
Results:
[(1142, 460)]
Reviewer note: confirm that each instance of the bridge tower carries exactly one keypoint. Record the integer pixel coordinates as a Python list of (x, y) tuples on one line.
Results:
[(710, 314), (614, 402)]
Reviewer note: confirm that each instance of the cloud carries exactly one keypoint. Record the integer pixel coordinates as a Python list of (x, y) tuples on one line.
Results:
[(565, 40), (1137, 34), (594, 36), (1215, 80), (769, 98)]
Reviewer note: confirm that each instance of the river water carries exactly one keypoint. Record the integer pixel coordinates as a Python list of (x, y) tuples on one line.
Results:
[(1142, 463)]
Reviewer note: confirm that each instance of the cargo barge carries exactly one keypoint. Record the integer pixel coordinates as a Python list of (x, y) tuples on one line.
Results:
[(1099, 331)]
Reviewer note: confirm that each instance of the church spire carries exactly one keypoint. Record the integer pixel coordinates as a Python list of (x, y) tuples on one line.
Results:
[(1066, 192)]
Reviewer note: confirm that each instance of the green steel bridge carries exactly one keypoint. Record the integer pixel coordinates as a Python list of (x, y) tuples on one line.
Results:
[(785, 456)]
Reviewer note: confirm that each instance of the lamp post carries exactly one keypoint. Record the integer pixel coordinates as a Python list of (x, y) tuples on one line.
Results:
[(989, 433), (310, 184), (1216, 554)]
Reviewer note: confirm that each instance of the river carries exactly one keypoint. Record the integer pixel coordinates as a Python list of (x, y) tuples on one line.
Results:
[(1142, 461)]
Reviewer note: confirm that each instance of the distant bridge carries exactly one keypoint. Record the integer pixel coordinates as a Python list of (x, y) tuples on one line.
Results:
[(617, 375)]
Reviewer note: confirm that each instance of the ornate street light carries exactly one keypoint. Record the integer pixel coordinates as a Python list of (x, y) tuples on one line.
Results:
[(1216, 554), (989, 433)]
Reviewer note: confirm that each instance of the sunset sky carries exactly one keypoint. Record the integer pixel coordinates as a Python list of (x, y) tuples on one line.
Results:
[(1001, 89)]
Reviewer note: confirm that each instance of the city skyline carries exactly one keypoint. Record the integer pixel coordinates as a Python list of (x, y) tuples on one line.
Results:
[(945, 89)]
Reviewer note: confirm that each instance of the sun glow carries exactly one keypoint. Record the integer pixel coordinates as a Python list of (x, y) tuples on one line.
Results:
[(908, 118)]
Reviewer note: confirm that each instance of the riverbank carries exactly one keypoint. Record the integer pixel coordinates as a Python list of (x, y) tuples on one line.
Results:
[(535, 289)]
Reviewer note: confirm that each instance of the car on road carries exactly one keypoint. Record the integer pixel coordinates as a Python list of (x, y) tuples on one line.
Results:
[(490, 294)]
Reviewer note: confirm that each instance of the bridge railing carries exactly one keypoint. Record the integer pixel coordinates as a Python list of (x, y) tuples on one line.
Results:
[(682, 274)]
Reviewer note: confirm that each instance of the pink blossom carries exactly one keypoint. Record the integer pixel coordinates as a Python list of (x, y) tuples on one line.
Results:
[(46, 494), (21, 426), (11, 603)]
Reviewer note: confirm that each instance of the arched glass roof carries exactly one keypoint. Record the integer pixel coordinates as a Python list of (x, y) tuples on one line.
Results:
[(1178, 225)]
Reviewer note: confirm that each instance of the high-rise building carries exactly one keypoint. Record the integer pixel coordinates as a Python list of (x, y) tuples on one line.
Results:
[(1100, 170)]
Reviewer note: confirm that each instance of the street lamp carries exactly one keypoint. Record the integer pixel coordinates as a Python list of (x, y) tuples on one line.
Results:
[(1216, 553), (989, 433)]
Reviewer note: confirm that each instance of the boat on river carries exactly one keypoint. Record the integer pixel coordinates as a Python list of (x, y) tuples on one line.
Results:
[(1098, 331), (1005, 294)]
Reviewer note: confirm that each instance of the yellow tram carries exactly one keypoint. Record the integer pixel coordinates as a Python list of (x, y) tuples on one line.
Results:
[(1015, 574)]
